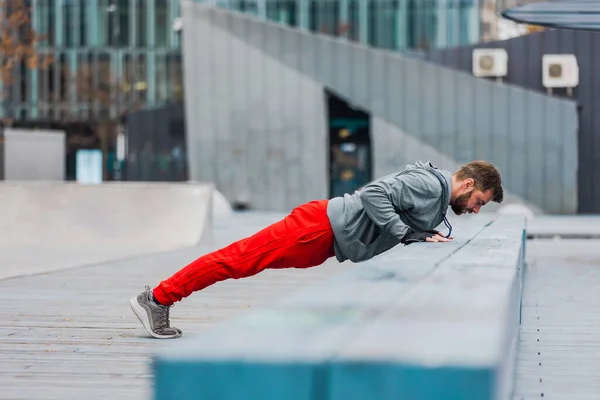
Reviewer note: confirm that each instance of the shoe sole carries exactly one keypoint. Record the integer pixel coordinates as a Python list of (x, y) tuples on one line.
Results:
[(143, 317)]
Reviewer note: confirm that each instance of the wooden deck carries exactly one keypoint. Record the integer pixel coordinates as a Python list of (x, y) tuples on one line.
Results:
[(71, 335), (559, 347)]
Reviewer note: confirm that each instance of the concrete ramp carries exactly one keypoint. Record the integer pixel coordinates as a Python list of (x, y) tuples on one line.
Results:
[(50, 226)]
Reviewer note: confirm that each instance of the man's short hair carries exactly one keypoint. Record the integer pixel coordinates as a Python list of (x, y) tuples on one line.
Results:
[(486, 177)]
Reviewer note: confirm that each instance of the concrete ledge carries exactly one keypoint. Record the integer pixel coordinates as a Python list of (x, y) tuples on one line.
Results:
[(427, 321)]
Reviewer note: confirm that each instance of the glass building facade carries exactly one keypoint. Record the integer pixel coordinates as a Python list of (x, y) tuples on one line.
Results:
[(111, 57), (417, 25)]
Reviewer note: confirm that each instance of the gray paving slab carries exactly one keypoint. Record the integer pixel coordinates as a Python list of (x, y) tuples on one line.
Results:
[(566, 226), (559, 346), (70, 334)]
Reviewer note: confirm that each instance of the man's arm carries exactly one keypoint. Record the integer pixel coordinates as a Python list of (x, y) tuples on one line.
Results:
[(382, 199)]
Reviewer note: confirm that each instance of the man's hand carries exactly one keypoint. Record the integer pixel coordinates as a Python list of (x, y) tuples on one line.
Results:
[(425, 236), (438, 237)]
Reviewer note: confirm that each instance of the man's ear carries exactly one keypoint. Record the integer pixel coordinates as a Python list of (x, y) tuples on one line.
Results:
[(468, 183)]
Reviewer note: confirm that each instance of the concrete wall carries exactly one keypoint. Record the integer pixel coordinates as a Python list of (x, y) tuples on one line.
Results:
[(255, 127), (256, 122), (34, 155)]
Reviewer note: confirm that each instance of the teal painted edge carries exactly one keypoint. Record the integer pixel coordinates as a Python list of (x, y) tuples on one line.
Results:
[(237, 379), (523, 272), (387, 381)]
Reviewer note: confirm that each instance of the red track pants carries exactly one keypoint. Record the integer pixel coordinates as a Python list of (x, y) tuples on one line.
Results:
[(302, 239)]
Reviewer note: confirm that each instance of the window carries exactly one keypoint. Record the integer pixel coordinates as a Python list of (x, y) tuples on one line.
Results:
[(354, 21), (422, 24), (102, 19), (175, 76), (103, 83), (84, 78), (128, 78), (49, 24), (324, 16), (383, 19), (135, 80), (162, 93), (112, 23), (25, 82), (141, 26), (61, 91), (74, 22), (247, 6), (124, 23), (330, 23), (464, 14), (283, 11), (43, 84), (68, 11), (45, 23), (162, 27), (83, 23), (117, 17), (58, 88), (141, 80)]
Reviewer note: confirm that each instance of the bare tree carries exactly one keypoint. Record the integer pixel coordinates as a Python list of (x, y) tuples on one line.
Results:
[(18, 43)]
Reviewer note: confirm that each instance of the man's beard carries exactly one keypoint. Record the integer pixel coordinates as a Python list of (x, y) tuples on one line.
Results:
[(460, 204)]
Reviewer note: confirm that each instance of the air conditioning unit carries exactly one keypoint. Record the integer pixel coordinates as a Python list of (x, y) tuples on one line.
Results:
[(560, 71), (490, 63)]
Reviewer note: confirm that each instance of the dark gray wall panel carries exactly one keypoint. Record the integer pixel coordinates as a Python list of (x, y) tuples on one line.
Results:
[(525, 70)]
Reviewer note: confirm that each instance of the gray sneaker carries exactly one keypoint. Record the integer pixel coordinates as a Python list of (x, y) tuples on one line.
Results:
[(154, 317)]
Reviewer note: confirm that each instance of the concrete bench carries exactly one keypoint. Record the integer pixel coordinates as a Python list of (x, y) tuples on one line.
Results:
[(426, 321)]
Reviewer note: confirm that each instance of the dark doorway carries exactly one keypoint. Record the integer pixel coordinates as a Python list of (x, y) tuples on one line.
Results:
[(350, 161)]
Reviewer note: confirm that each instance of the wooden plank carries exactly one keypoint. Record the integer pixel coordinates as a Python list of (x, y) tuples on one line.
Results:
[(559, 343), (71, 333)]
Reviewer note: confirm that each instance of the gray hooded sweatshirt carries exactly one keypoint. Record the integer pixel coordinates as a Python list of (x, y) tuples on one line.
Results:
[(375, 218)]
